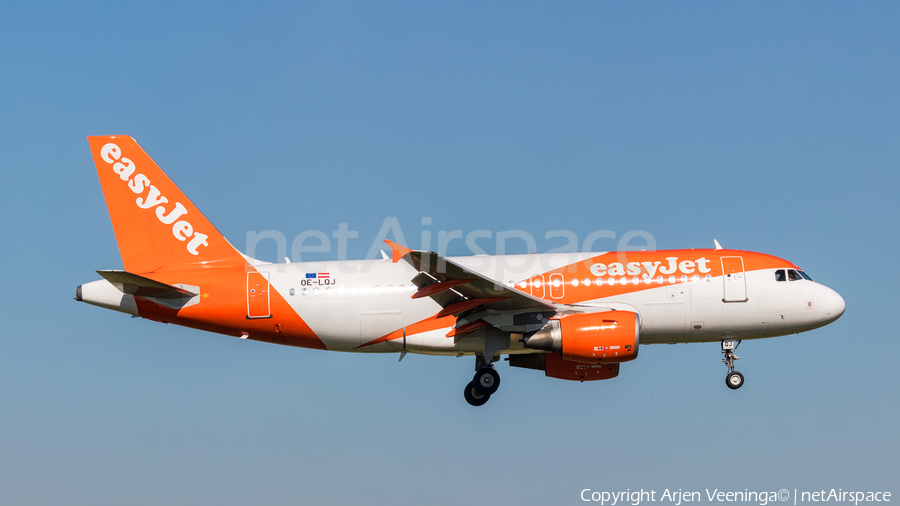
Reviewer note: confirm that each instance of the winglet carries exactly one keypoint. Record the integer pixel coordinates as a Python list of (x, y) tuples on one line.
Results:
[(718, 246), (397, 251)]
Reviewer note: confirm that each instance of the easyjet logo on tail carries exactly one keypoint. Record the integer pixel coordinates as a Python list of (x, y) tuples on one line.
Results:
[(139, 184)]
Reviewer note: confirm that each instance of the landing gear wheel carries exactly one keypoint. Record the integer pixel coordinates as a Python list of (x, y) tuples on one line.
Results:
[(734, 380), (474, 397), (486, 381)]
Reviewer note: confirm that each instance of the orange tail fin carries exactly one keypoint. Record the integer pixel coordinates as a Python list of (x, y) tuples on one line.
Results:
[(156, 226)]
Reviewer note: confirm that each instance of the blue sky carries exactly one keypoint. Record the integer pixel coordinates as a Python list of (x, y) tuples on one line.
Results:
[(769, 126)]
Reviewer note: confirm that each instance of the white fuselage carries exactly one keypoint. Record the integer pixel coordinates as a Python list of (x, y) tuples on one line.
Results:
[(362, 300)]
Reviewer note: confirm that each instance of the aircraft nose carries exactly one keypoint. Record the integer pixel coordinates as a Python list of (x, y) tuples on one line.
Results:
[(834, 305)]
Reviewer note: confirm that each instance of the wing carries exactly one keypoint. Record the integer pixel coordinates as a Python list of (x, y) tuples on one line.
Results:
[(462, 291)]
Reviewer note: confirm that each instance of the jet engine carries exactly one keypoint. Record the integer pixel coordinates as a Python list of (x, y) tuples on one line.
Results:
[(555, 367), (606, 337)]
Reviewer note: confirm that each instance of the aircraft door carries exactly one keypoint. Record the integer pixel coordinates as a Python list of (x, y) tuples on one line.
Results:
[(258, 295), (734, 279), (538, 286), (557, 286)]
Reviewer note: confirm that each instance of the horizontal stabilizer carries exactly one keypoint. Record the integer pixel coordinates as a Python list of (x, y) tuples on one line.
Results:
[(133, 284)]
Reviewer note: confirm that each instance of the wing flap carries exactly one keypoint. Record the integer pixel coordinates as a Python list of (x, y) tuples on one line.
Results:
[(465, 284)]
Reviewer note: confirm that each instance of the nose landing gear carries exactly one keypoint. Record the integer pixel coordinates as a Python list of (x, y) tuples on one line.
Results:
[(733, 379)]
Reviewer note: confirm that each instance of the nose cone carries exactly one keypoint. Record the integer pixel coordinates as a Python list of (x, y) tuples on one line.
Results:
[(834, 305)]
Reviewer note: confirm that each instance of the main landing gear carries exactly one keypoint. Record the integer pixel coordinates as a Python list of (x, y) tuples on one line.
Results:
[(733, 379), (474, 397), (485, 383)]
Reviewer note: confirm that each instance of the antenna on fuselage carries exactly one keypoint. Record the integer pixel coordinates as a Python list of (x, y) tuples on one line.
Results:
[(718, 246)]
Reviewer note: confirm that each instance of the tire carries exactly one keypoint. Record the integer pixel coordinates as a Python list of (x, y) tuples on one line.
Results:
[(486, 381), (473, 397), (734, 380)]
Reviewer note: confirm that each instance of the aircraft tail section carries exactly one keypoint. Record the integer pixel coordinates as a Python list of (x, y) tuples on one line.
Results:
[(156, 225), (132, 284)]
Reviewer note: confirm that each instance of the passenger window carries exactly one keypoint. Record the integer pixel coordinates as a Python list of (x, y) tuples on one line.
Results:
[(805, 276), (794, 275), (779, 275)]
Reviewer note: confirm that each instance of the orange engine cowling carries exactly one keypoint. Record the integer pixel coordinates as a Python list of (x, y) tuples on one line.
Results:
[(555, 367), (607, 337)]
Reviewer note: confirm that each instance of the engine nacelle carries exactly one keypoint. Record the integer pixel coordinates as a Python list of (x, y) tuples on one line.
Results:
[(555, 367), (607, 337)]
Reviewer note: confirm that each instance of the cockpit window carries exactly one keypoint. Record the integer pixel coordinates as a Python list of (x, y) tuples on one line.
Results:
[(794, 275), (779, 275), (805, 276)]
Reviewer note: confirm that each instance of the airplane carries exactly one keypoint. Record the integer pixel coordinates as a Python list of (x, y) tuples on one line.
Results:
[(575, 316)]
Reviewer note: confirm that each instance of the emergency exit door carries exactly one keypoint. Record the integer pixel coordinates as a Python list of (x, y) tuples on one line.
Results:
[(258, 295), (734, 279)]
